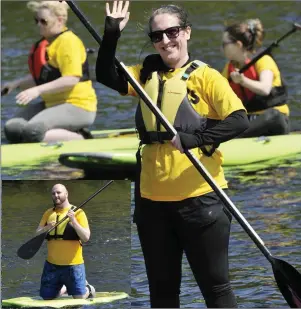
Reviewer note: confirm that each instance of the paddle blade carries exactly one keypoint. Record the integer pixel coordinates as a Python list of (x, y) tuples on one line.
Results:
[(30, 248), (289, 282)]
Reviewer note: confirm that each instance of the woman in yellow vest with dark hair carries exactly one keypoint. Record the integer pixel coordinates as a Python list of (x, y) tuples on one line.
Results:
[(176, 210), (261, 87), (59, 73)]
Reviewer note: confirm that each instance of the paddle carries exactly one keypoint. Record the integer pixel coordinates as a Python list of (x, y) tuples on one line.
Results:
[(269, 48), (31, 247), (287, 277)]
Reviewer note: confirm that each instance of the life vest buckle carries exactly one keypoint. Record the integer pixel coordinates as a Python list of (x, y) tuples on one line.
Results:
[(194, 65)]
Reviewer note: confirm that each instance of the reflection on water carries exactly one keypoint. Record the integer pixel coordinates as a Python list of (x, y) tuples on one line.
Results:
[(107, 254), (271, 202)]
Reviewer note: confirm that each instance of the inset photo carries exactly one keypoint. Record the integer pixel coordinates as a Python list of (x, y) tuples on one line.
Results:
[(66, 244)]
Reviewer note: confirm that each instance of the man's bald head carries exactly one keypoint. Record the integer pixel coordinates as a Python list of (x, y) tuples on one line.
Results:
[(59, 195), (60, 187)]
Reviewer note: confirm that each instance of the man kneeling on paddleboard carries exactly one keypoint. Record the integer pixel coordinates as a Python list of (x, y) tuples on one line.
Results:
[(64, 269)]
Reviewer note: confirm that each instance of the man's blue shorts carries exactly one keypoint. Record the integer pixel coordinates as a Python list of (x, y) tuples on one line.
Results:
[(55, 276)]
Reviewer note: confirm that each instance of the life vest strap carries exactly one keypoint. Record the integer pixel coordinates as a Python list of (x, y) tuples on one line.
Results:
[(193, 66), (156, 137), (49, 237)]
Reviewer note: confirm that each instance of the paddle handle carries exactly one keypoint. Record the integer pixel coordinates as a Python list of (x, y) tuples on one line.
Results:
[(81, 205), (169, 128)]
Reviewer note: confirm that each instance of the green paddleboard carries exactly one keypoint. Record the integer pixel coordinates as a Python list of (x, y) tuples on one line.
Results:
[(63, 302), (237, 152), (23, 156)]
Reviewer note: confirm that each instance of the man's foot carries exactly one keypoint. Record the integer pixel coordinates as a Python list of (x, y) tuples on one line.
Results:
[(91, 290)]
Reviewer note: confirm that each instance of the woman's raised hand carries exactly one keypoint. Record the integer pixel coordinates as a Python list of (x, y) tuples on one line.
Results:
[(119, 11)]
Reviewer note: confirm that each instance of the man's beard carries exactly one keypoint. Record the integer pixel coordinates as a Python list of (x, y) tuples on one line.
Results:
[(59, 201)]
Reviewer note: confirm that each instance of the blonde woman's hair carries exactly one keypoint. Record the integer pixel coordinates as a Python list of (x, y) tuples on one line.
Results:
[(57, 8), (250, 32)]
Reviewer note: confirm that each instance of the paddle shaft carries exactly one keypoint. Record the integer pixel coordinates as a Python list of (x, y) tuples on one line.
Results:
[(169, 128), (80, 206)]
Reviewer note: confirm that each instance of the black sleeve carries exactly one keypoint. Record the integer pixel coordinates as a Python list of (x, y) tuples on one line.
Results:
[(232, 126), (106, 71)]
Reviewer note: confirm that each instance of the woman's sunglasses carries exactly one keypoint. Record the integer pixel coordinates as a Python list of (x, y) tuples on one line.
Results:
[(42, 21), (171, 33)]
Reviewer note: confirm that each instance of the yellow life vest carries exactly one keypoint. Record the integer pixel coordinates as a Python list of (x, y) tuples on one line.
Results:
[(171, 98), (64, 231)]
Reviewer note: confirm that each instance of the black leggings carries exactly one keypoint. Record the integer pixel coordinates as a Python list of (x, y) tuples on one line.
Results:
[(200, 227), (269, 123)]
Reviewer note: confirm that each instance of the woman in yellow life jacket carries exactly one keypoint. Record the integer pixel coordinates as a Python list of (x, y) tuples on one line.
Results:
[(176, 211), (261, 87), (59, 73)]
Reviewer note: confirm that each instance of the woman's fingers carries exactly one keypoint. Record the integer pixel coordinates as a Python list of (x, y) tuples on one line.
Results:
[(127, 17), (125, 9), (108, 12), (22, 99), (118, 9), (114, 9), (176, 141)]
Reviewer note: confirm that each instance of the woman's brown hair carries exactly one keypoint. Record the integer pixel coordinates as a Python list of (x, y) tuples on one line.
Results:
[(250, 33)]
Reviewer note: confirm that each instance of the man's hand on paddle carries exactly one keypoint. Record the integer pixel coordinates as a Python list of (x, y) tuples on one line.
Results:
[(119, 11), (42, 229), (71, 215)]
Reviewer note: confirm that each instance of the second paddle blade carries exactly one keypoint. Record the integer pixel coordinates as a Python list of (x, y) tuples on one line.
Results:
[(289, 282), (30, 248)]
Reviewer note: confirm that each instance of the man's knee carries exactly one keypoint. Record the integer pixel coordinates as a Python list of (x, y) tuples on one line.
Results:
[(13, 129), (47, 295), (34, 132)]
